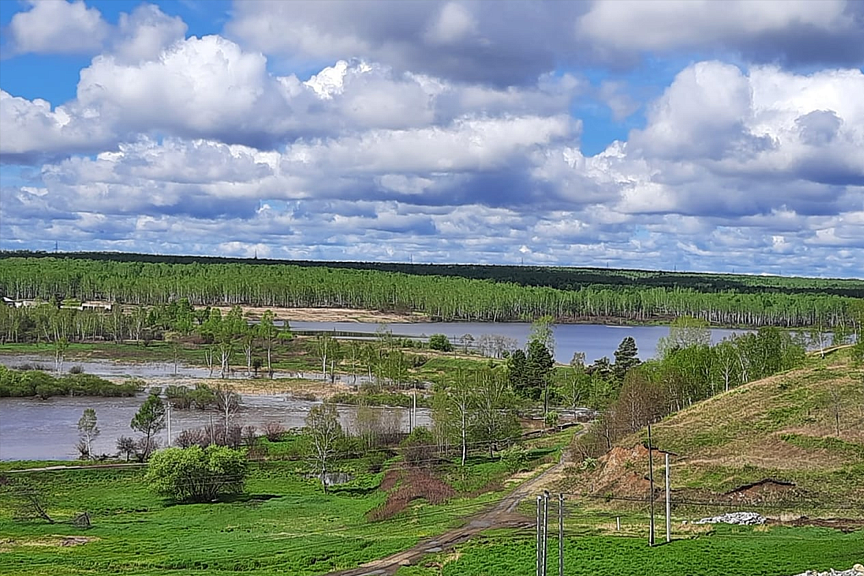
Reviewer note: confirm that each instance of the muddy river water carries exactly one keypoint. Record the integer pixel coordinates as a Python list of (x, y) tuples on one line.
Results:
[(32, 429)]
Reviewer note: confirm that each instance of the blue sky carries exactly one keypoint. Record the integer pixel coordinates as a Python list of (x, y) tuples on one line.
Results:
[(689, 135)]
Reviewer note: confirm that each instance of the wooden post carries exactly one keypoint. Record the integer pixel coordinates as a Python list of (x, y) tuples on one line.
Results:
[(651, 489), (668, 504)]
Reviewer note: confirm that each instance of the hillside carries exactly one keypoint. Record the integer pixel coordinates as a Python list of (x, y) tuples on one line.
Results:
[(771, 442)]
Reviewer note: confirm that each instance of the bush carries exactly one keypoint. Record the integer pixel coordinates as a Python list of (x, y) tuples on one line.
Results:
[(195, 474), (202, 397), (273, 431), (178, 396), (419, 447), (515, 458), (440, 342)]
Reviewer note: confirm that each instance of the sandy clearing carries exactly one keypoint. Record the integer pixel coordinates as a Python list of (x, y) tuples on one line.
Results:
[(330, 314)]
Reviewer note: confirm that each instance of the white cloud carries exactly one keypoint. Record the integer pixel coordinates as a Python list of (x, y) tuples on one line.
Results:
[(145, 33), (58, 27), (32, 128), (667, 24)]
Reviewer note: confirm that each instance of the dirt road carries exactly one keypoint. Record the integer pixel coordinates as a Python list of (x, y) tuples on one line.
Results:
[(501, 515)]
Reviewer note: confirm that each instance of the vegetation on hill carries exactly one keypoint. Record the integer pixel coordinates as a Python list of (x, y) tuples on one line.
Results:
[(794, 439), (746, 302)]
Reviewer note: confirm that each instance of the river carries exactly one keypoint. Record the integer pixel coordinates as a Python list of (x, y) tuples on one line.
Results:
[(595, 340), (32, 429)]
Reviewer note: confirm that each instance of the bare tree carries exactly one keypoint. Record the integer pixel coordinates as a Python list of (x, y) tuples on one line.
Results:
[(325, 432), (227, 403), (27, 501), (126, 446)]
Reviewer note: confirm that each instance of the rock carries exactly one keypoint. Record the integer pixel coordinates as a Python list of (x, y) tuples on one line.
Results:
[(740, 518)]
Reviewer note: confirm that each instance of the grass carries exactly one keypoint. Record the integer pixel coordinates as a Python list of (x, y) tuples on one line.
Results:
[(284, 524), (783, 427), (728, 551)]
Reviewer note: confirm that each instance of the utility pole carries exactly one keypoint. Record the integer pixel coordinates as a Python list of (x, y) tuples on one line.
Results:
[(545, 530), (539, 534), (169, 423), (560, 534), (668, 504), (414, 409), (651, 483)]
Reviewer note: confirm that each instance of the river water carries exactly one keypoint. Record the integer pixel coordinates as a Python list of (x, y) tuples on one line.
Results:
[(32, 429), (594, 340)]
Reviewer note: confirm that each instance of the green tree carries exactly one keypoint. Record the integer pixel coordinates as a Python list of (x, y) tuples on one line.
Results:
[(685, 331), (269, 333), (197, 475), (453, 410), (88, 429), (494, 418), (325, 433), (539, 364), (517, 371), (440, 342), (149, 421), (626, 357)]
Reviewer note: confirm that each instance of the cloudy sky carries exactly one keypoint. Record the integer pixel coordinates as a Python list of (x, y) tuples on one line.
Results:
[(688, 135)]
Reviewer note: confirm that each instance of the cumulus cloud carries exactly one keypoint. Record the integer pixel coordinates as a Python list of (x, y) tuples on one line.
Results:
[(210, 88), (486, 42), (58, 27), (446, 131), (61, 27), (145, 33)]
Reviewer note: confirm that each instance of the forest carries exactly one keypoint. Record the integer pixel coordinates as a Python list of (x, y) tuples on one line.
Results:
[(564, 278), (793, 302)]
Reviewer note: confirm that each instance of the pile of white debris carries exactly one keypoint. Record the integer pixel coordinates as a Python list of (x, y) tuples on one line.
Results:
[(741, 518), (857, 570)]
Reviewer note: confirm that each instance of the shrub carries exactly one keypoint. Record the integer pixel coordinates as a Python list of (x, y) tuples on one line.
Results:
[(195, 474), (440, 342), (273, 431), (178, 396), (202, 397), (515, 458)]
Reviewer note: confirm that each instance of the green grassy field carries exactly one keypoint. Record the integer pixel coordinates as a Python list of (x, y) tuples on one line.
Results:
[(727, 551), (284, 524)]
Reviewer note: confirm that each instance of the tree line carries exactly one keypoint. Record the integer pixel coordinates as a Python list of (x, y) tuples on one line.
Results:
[(562, 277), (447, 298)]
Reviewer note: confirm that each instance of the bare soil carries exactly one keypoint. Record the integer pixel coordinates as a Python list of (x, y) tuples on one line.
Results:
[(331, 314)]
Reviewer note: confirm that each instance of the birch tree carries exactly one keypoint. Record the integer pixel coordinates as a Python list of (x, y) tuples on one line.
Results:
[(325, 432)]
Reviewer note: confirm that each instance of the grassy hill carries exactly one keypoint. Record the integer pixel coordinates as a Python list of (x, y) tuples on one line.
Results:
[(794, 441)]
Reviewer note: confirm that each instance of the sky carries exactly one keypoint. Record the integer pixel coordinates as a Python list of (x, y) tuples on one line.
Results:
[(676, 135)]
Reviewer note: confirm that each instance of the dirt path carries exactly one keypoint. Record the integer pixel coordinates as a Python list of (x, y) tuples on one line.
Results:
[(502, 515)]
